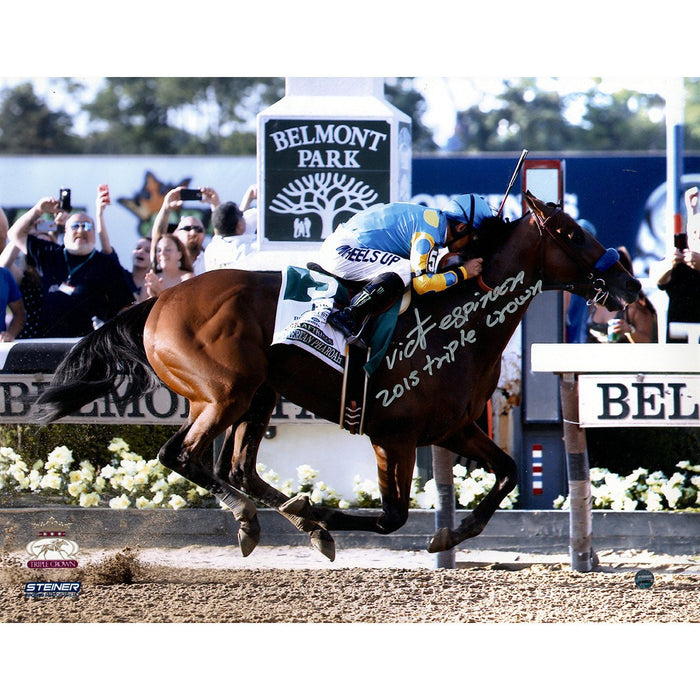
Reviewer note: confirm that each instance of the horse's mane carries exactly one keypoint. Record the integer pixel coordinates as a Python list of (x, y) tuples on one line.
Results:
[(491, 235)]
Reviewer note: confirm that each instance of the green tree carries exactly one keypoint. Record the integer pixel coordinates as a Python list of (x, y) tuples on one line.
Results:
[(28, 125), (401, 93), (179, 115), (525, 116)]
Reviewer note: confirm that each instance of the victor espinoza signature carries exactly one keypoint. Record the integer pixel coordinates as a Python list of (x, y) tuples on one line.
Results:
[(457, 319)]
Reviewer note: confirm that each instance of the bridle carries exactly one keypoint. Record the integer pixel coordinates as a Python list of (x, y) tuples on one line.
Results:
[(595, 283)]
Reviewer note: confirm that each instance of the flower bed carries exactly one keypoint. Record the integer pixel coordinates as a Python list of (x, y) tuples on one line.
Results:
[(130, 481)]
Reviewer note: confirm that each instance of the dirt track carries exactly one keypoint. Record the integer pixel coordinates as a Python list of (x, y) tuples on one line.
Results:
[(124, 587)]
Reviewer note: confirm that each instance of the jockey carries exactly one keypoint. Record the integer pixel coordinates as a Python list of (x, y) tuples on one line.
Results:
[(393, 245)]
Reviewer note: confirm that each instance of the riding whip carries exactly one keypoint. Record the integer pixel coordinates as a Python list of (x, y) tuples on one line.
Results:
[(516, 172)]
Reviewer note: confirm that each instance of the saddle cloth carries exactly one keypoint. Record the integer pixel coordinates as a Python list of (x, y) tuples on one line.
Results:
[(305, 300)]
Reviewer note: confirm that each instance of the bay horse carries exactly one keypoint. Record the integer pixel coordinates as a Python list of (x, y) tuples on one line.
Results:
[(209, 340)]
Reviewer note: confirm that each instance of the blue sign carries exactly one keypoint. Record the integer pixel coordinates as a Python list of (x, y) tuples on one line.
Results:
[(623, 195)]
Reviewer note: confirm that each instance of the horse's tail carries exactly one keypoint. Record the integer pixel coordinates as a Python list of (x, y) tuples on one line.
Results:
[(102, 361)]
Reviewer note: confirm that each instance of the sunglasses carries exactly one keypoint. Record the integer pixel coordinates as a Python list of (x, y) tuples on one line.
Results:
[(198, 229), (85, 225)]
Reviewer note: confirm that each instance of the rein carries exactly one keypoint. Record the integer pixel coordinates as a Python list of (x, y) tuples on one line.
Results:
[(604, 263)]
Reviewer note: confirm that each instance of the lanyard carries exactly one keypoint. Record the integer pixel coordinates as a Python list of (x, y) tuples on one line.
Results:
[(73, 270)]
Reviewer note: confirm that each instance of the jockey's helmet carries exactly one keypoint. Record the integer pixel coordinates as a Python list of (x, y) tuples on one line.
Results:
[(470, 209)]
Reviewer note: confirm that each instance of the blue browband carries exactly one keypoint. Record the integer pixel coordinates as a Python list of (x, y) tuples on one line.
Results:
[(607, 260)]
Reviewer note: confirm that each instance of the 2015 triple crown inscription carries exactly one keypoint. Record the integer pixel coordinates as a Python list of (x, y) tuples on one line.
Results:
[(416, 340)]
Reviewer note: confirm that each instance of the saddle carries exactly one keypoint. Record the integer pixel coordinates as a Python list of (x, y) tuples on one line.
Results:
[(359, 362)]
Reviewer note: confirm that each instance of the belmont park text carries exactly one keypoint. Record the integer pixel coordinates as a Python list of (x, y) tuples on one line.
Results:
[(457, 319)]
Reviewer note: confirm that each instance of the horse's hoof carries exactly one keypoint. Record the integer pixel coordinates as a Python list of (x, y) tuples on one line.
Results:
[(442, 540), (321, 539), (299, 506), (248, 536)]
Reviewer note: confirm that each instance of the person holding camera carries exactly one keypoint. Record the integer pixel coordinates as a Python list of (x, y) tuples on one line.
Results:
[(190, 229), (682, 281), (140, 255), (80, 285)]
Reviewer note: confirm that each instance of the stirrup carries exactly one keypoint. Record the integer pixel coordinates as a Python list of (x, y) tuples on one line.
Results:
[(356, 339), (352, 338)]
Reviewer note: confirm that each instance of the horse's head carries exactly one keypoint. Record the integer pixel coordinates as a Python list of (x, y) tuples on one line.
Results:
[(575, 261)]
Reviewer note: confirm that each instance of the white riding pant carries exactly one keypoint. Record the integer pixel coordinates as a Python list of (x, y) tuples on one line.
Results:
[(342, 255)]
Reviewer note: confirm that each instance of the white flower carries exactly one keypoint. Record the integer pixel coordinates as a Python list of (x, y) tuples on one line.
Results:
[(76, 488), (118, 445), (306, 474), (317, 495), (143, 503), (343, 504), (51, 481), (653, 501), (60, 457), (87, 500), (119, 502), (459, 470), (34, 480), (560, 502), (175, 478), (108, 472), (177, 502), (428, 498), (269, 475), (672, 493), (469, 493), (160, 485)]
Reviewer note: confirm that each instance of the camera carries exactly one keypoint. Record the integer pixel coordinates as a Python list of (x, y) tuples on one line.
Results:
[(190, 194), (64, 200), (680, 240)]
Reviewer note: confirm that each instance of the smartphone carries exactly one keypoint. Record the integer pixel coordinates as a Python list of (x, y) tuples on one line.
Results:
[(45, 226), (64, 200), (190, 194), (104, 189), (680, 240)]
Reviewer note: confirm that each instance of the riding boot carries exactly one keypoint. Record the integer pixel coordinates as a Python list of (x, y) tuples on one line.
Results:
[(377, 296)]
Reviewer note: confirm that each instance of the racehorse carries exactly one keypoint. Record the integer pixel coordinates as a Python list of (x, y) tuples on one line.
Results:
[(209, 340)]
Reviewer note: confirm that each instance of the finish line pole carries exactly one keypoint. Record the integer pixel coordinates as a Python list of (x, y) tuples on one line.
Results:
[(445, 507), (583, 558)]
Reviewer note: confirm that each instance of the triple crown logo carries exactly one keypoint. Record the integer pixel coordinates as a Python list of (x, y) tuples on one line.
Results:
[(52, 550)]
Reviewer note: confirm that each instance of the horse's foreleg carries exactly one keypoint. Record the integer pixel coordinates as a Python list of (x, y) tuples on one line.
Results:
[(475, 444), (395, 469)]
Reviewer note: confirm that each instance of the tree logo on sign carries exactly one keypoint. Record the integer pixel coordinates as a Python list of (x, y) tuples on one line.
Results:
[(324, 194)]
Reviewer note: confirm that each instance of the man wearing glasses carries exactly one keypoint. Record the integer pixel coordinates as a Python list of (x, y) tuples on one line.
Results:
[(190, 229), (81, 286)]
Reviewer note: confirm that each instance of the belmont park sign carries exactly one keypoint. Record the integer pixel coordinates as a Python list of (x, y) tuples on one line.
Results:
[(651, 400), (319, 172)]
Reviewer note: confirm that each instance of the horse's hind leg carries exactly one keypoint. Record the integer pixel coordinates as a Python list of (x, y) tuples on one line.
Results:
[(474, 443), (176, 456), (239, 454)]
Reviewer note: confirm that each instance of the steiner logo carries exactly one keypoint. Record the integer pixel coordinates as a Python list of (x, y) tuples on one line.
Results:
[(51, 589)]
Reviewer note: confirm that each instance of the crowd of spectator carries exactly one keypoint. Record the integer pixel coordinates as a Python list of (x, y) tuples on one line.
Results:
[(56, 283)]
